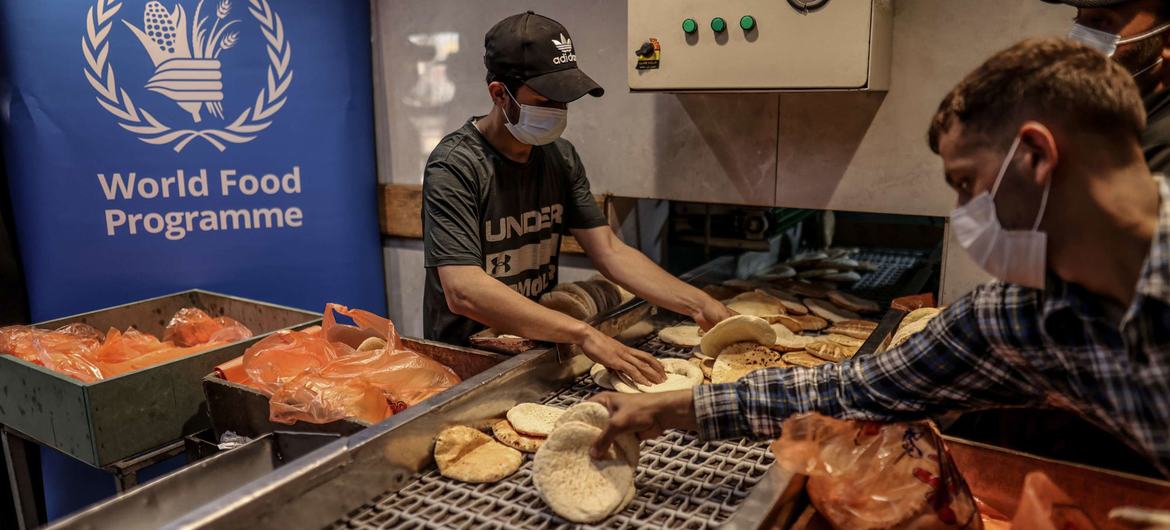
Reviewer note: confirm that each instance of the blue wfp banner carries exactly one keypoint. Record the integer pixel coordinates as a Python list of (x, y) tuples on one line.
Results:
[(155, 146)]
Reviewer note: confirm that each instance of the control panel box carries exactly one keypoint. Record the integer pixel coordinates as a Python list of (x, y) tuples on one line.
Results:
[(759, 45)]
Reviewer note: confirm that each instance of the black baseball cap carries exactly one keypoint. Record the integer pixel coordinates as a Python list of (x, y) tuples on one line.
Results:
[(538, 51)]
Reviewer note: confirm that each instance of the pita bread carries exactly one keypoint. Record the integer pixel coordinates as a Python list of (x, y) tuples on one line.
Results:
[(611, 291), (742, 285), (705, 365), (636, 331), (856, 304), (830, 311), (743, 358), (534, 419), (791, 303), (509, 437), (778, 272), (582, 295), (623, 295), (787, 341), (739, 328), (816, 273), (812, 323), (905, 332), (597, 294), (830, 351), (803, 359), (807, 289), (467, 455), (842, 277), (756, 303), (601, 376), (588, 412), (844, 340), (919, 314), (566, 303), (680, 375), (841, 263), (685, 335), (858, 329), (807, 259), (573, 484)]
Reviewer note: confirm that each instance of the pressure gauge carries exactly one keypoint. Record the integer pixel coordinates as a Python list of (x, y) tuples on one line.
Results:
[(805, 6)]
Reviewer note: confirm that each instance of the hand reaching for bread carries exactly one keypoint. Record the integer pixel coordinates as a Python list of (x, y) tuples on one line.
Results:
[(640, 366)]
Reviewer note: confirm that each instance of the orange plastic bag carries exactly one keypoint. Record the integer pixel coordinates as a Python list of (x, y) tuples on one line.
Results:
[(318, 399), (192, 327), (63, 350), (322, 377), (121, 347), (865, 475)]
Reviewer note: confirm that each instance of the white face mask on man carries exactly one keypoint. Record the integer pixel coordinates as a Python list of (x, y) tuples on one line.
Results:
[(536, 125), (1012, 256), (1107, 43)]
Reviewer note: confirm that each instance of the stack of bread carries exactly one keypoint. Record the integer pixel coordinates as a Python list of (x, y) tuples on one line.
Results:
[(576, 486), (914, 322), (587, 299)]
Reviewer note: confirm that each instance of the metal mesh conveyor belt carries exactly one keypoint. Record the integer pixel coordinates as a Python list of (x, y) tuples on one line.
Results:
[(682, 483), (894, 269)]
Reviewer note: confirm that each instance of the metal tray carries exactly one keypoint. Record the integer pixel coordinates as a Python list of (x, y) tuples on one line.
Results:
[(243, 410), (106, 421)]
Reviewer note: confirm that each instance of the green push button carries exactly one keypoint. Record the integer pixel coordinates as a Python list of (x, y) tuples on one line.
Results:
[(690, 26), (748, 22), (718, 24)]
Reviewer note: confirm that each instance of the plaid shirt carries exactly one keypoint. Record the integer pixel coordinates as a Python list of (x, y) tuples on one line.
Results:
[(1000, 346)]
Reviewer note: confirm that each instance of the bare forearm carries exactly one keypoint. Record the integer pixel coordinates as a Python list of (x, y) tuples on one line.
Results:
[(634, 271), (486, 300)]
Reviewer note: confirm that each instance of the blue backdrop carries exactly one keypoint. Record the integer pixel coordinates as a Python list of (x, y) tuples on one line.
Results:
[(166, 145)]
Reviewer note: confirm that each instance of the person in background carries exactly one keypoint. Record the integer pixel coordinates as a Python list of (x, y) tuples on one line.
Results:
[(1061, 208), (500, 193), (1136, 34)]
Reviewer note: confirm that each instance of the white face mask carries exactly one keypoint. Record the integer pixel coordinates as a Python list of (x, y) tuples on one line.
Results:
[(536, 125), (1013, 256), (1107, 43)]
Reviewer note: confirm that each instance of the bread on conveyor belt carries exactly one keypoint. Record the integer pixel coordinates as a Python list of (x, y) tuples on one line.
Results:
[(467, 455), (829, 311), (740, 328), (792, 304), (534, 419), (757, 303), (858, 329), (816, 273), (807, 289), (685, 335), (742, 358), (807, 259), (508, 436), (777, 272), (720, 292), (803, 359), (830, 351), (787, 341), (842, 277), (573, 484), (853, 303), (680, 375), (600, 295), (740, 285)]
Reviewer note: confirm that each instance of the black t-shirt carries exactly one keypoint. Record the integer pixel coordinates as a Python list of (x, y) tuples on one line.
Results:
[(1156, 139), (481, 208)]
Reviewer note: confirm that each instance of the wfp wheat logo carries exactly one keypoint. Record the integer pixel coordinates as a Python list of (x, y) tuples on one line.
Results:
[(184, 51)]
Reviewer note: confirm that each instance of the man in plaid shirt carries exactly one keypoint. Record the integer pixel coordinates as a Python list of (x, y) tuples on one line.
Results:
[(1080, 318)]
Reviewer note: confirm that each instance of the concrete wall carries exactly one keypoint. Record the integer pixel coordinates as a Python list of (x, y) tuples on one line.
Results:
[(844, 151)]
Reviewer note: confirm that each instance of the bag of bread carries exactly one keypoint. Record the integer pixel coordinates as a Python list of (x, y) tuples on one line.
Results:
[(191, 326), (870, 476)]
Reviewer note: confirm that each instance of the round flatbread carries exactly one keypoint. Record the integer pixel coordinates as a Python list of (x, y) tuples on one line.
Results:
[(756, 303), (680, 375), (623, 295), (778, 272), (787, 341), (844, 340), (803, 359), (858, 329), (372, 344), (597, 294), (808, 290), (534, 419), (739, 328), (467, 455), (582, 295), (508, 436), (743, 358), (566, 303), (792, 304), (588, 412), (905, 332), (610, 292), (685, 335), (842, 277), (573, 484), (856, 304), (830, 351), (829, 311), (720, 292), (811, 323), (636, 331), (807, 259), (816, 273), (919, 314), (601, 376)]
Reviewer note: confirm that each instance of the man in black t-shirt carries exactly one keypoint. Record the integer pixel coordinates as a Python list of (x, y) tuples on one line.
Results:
[(501, 192), (1136, 34)]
